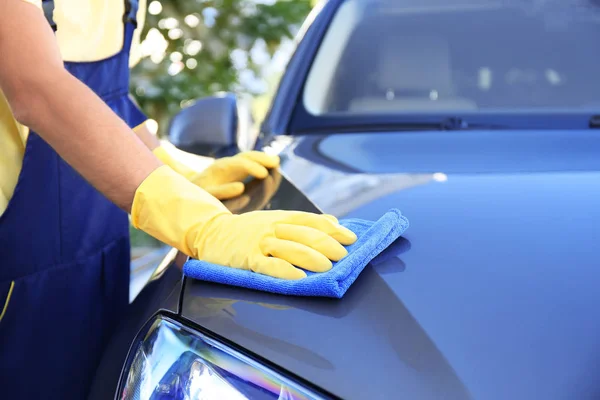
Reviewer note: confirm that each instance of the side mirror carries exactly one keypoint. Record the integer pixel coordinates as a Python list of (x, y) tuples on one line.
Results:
[(214, 126)]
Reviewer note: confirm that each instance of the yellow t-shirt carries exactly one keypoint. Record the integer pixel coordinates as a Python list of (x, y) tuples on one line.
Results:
[(87, 30)]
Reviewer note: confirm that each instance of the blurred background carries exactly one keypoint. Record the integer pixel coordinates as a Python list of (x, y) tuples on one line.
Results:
[(197, 48)]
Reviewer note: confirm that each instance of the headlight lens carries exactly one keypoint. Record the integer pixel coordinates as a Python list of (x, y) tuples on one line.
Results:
[(173, 362)]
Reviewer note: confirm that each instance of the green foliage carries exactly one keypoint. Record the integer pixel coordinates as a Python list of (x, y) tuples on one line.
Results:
[(200, 37)]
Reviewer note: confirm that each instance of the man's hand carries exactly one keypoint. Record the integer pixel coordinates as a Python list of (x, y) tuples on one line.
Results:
[(225, 178), (257, 194), (274, 243)]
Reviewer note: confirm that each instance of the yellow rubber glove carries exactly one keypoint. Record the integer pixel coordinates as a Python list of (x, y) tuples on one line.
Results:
[(224, 178), (167, 158), (181, 214), (257, 194)]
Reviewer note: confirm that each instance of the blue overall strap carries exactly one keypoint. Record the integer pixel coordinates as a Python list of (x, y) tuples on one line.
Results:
[(131, 9), (64, 258), (130, 15), (48, 7)]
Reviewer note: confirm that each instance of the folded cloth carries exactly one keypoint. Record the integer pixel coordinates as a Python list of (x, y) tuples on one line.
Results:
[(373, 238)]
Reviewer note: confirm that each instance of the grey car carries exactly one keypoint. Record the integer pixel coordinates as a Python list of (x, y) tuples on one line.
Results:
[(478, 120)]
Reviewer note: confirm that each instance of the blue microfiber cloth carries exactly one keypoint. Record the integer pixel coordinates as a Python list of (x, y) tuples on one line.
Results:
[(373, 238)]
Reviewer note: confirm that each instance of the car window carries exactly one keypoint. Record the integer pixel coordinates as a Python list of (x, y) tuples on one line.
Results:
[(407, 56)]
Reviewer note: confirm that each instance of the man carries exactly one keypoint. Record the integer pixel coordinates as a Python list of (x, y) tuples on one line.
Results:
[(70, 179)]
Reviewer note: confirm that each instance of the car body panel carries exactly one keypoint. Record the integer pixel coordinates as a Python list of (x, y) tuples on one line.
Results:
[(493, 294)]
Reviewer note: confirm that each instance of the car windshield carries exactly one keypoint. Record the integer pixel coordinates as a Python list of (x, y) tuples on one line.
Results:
[(407, 56)]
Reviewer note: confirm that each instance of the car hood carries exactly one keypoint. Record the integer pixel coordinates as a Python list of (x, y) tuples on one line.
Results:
[(491, 293)]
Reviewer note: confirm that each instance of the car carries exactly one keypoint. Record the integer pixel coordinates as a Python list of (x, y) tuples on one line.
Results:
[(479, 120)]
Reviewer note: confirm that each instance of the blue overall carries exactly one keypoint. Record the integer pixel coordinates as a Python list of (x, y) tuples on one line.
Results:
[(64, 258)]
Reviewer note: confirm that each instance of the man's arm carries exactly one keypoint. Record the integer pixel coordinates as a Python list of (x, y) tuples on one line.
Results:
[(65, 112), (146, 136), (100, 146)]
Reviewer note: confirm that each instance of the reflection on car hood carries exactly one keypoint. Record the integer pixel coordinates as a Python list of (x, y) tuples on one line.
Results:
[(493, 292)]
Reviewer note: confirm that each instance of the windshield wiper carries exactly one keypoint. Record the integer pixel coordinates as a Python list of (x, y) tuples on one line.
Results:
[(454, 124), (443, 124), (595, 121), (460, 124)]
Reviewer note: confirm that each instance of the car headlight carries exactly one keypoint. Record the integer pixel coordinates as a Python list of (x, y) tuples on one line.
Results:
[(170, 361)]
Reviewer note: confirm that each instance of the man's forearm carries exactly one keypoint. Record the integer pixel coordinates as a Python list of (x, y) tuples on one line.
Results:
[(90, 137), (65, 112), (146, 136), (187, 164)]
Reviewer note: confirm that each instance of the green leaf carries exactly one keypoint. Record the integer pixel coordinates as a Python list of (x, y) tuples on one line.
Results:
[(189, 69)]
